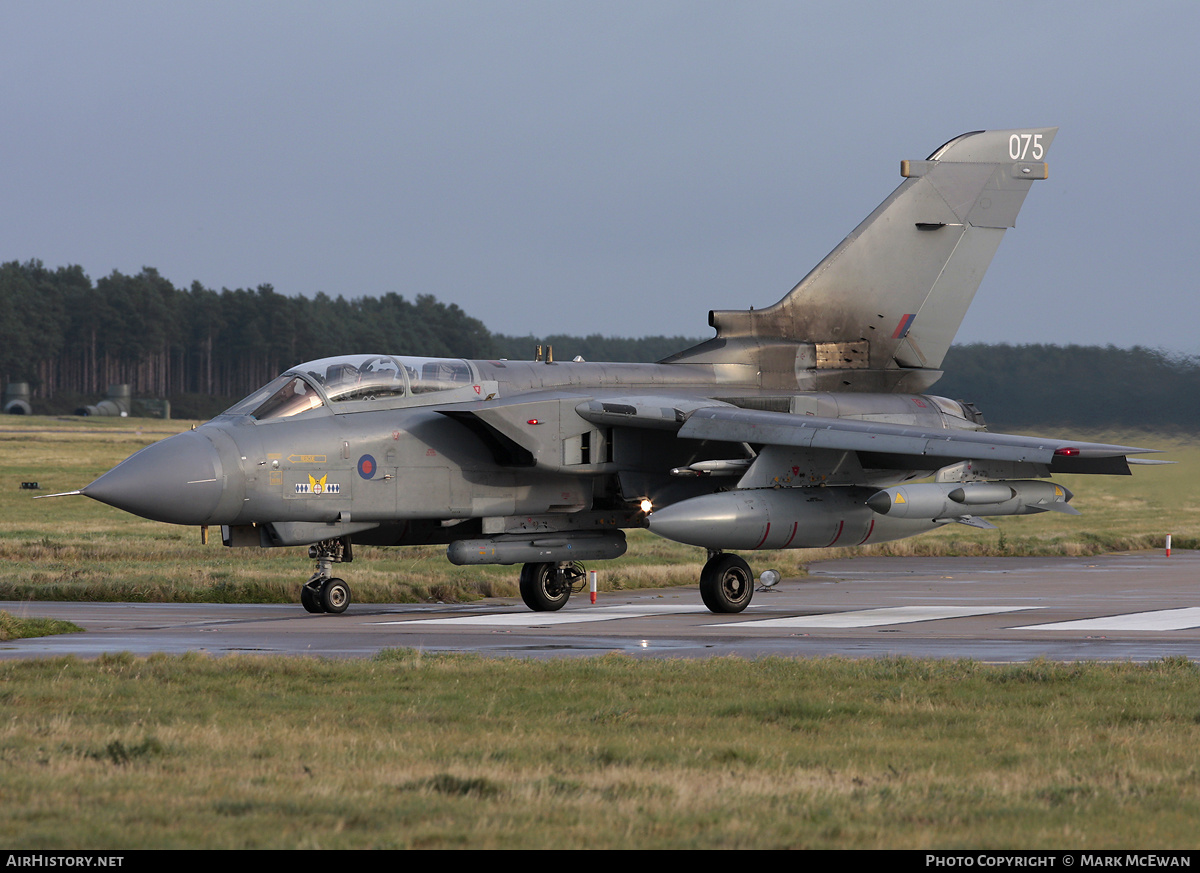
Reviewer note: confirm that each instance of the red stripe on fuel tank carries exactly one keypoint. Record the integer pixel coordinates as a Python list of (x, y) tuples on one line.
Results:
[(765, 534), (837, 536), (868, 536)]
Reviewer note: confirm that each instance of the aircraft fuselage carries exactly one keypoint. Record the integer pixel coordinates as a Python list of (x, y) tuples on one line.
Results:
[(802, 424)]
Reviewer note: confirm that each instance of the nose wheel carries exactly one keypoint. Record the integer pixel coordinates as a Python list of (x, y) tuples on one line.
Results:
[(330, 595), (323, 592), (310, 598)]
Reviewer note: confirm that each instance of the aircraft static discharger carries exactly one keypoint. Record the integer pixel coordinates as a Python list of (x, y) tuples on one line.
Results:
[(804, 424)]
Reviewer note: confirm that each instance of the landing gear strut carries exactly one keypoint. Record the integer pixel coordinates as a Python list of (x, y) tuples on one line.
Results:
[(546, 587), (322, 592), (726, 584)]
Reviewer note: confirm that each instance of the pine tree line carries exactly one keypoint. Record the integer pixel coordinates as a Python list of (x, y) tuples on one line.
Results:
[(61, 333), (1038, 385), (64, 334)]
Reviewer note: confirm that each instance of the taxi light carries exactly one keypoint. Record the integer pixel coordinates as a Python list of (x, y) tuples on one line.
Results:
[(646, 505)]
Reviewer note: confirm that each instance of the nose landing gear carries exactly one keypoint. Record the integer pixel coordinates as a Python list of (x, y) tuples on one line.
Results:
[(322, 592)]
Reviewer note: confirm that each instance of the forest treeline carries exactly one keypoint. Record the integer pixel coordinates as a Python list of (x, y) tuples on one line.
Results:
[(1090, 387), (62, 333), (69, 336)]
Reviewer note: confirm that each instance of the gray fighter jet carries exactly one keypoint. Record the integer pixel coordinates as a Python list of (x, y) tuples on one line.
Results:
[(804, 424)]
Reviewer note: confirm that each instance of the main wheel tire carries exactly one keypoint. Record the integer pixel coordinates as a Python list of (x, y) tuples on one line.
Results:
[(310, 599), (335, 596), (726, 584), (542, 587)]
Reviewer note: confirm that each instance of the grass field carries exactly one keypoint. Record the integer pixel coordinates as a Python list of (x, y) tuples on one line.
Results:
[(411, 750), (75, 548)]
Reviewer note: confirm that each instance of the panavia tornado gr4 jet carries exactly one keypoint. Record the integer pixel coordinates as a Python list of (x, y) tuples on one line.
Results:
[(804, 424)]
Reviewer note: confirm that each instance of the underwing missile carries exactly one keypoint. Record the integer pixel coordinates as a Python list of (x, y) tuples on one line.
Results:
[(950, 500)]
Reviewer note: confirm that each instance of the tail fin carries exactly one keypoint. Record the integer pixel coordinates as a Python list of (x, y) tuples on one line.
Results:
[(889, 299)]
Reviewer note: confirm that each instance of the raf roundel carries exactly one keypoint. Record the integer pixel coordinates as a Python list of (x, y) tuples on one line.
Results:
[(366, 466)]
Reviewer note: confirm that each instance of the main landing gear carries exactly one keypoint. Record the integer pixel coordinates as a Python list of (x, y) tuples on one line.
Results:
[(546, 587), (322, 592), (726, 583)]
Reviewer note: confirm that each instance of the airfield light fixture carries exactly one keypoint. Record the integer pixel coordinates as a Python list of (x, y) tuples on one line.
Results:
[(769, 578)]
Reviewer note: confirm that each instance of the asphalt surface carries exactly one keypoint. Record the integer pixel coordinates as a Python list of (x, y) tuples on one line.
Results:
[(1137, 607)]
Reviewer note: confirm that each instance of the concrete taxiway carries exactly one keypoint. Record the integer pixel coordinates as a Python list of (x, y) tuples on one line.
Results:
[(1137, 607)]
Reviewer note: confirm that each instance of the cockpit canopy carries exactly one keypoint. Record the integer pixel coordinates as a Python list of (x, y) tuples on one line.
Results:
[(352, 377)]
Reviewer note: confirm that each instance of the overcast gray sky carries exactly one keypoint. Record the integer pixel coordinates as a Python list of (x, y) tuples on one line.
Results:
[(607, 167)]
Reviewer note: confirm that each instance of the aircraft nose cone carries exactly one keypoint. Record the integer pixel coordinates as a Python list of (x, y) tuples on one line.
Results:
[(178, 480)]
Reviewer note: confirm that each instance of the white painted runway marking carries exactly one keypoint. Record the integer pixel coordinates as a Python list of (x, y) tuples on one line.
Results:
[(1158, 620), (857, 618), (541, 619), (888, 615)]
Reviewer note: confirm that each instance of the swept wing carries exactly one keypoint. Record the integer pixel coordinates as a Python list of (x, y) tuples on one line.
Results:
[(916, 448)]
